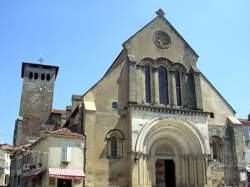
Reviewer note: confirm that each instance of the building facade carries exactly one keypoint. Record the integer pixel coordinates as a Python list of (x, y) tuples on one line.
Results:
[(54, 160), (155, 120), (4, 166)]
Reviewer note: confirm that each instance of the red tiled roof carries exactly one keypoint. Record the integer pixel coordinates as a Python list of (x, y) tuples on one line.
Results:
[(58, 111), (244, 120), (65, 132)]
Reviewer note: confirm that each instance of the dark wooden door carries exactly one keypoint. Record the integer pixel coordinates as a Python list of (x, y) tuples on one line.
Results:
[(160, 173), (165, 173)]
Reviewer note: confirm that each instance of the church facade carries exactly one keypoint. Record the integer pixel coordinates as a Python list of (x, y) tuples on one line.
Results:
[(155, 120)]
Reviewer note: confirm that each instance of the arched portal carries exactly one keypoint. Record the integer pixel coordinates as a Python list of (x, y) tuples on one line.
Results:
[(171, 147)]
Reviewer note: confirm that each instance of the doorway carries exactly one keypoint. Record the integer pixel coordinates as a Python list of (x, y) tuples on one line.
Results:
[(165, 173), (64, 183)]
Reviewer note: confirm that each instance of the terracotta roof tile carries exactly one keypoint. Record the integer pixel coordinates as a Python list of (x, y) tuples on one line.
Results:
[(58, 111), (244, 121), (65, 132)]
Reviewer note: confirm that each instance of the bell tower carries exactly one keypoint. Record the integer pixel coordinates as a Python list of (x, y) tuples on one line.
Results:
[(36, 101)]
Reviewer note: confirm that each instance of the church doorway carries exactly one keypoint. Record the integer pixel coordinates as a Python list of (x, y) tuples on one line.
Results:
[(165, 173)]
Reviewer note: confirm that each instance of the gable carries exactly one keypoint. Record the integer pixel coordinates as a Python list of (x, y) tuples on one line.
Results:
[(143, 44)]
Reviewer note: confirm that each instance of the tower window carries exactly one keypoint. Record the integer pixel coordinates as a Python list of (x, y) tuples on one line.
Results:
[(163, 85), (30, 75), (147, 84), (48, 77), (36, 76), (178, 88), (43, 76)]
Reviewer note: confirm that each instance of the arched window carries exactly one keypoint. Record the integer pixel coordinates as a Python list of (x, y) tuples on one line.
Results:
[(147, 84), (48, 77), (43, 76), (36, 76), (163, 85), (216, 148), (30, 75), (114, 139), (115, 105), (178, 88)]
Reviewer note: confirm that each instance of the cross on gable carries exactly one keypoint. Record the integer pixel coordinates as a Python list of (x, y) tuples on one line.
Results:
[(160, 12)]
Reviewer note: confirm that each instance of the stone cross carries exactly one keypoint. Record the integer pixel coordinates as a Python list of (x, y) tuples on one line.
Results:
[(40, 59), (160, 12)]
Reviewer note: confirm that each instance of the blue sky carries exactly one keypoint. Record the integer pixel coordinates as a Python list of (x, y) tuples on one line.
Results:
[(84, 38)]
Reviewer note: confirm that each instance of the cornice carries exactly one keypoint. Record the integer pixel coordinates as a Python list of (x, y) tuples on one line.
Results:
[(169, 110)]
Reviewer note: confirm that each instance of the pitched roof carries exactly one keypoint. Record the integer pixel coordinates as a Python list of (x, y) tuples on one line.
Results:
[(57, 111), (161, 17), (65, 132)]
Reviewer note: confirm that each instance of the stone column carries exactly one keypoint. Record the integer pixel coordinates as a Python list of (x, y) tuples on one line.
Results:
[(132, 82), (173, 98), (184, 89), (197, 86), (156, 80), (152, 84), (140, 83)]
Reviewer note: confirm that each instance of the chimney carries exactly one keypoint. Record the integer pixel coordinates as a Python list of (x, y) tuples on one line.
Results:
[(76, 100), (68, 111)]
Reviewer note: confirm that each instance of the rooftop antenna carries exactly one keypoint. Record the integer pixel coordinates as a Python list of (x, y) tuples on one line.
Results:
[(40, 59)]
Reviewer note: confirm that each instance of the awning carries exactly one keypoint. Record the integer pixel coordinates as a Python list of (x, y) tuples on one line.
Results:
[(33, 173), (72, 174)]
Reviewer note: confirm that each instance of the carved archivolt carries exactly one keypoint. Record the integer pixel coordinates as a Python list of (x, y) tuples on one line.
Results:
[(181, 132), (171, 66)]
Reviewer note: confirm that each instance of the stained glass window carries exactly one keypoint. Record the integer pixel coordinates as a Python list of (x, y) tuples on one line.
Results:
[(163, 85), (147, 84), (178, 88)]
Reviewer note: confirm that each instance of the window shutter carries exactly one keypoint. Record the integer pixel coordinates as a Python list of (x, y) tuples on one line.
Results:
[(64, 154), (68, 154)]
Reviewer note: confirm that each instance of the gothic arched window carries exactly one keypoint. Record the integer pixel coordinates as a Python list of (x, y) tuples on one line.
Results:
[(163, 85), (178, 88), (114, 139), (147, 84)]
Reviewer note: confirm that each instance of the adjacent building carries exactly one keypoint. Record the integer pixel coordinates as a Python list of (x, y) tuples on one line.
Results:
[(54, 160), (246, 129), (4, 164)]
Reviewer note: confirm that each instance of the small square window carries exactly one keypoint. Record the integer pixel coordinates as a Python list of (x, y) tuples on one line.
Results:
[(114, 105), (211, 115)]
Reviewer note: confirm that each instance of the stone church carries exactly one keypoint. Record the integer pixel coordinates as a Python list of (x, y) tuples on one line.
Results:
[(155, 120)]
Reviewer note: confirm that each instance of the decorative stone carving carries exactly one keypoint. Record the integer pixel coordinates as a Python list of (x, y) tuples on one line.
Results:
[(162, 39)]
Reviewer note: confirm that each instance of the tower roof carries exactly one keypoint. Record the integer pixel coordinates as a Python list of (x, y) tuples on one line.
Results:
[(43, 66)]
